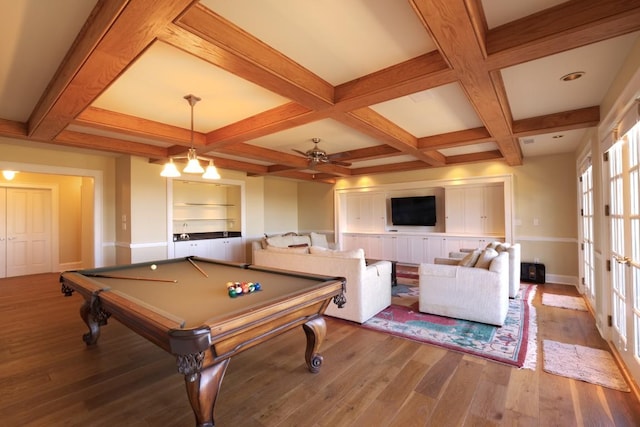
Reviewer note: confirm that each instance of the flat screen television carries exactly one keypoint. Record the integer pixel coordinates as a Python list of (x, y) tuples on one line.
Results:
[(420, 210)]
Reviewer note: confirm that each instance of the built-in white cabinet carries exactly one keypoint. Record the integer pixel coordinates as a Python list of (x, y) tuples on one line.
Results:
[(191, 248), (477, 209), (366, 212), (225, 249), (410, 249)]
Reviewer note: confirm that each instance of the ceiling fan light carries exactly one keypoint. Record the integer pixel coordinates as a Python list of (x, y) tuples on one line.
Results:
[(193, 165), (170, 170), (211, 172)]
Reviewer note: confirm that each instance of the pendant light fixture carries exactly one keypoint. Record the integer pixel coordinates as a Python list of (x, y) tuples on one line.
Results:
[(193, 163)]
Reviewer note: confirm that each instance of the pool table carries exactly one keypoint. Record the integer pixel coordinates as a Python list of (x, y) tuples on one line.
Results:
[(183, 306)]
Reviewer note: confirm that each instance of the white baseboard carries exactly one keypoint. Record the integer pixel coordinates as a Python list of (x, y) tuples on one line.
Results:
[(561, 279)]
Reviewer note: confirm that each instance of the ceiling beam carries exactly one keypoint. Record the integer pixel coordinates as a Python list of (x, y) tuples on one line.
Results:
[(114, 145), (566, 26), (115, 34), (277, 119), (112, 121), (453, 31), (567, 120), (13, 129), (216, 40), (415, 75), (455, 139), (382, 129)]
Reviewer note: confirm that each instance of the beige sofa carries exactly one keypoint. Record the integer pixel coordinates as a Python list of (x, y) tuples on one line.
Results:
[(471, 293), (368, 287)]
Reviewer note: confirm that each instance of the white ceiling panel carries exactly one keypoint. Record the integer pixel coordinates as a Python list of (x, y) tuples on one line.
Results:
[(337, 40), (535, 88), (552, 143), (31, 58), (334, 137), (439, 110), (498, 12), (160, 88), (467, 149)]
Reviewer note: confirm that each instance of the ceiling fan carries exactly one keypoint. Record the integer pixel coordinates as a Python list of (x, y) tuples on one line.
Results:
[(317, 156)]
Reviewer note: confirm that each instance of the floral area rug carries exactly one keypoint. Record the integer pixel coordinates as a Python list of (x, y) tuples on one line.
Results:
[(404, 291), (582, 363), (514, 343), (563, 301)]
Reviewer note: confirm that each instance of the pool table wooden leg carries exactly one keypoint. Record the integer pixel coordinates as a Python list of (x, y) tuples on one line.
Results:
[(203, 389), (315, 329), (94, 316)]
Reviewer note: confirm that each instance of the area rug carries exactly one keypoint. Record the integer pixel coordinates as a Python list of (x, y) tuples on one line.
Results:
[(563, 301), (404, 291), (582, 363), (514, 343)]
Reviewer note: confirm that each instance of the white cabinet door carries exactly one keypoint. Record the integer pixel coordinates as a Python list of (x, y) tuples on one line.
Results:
[(475, 209), (192, 248), (494, 209), (349, 242), (375, 247), (389, 248), (403, 249), (454, 210), (366, 212), (227, 249)]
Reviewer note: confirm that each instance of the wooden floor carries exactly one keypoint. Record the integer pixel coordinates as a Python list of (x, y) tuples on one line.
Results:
[(49, 378)]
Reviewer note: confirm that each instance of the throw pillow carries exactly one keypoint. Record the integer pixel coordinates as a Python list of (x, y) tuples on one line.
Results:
[(320, 240), (470, 259), (300, 250), (485, 258)]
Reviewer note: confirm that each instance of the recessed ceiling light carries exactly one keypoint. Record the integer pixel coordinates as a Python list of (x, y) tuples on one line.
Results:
[(557, 136), (572, 76)]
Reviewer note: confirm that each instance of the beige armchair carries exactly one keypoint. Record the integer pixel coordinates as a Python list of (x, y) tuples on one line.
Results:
[(470, 293)]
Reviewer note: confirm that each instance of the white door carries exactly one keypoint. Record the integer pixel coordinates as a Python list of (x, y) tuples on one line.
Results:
[(624, 222), (28, 217), (3, 232)]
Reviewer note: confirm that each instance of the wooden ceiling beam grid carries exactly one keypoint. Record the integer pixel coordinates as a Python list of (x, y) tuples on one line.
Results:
[(382, 129), (414, 75), (212, 38), (115, 34), (453, 31)]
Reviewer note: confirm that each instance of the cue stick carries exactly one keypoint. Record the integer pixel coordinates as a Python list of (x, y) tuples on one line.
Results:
[(110, 276), (197, 267)]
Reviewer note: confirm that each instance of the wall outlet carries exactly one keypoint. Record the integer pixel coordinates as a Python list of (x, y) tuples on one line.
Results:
[(536, 260)]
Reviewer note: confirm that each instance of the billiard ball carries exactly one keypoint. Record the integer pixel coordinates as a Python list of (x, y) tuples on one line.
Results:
[(153, 266)]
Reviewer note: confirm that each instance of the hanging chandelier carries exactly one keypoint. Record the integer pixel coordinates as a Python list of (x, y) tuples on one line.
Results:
[(193, 160)]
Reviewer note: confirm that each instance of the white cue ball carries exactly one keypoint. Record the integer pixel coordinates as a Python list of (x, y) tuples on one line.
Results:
[(153, 266)]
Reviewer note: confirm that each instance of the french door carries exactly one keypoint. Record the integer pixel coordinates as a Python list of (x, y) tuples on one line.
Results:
[(587, 204), (624, 228)]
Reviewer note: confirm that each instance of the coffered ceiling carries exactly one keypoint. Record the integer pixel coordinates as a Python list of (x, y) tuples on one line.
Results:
[(386, 85)]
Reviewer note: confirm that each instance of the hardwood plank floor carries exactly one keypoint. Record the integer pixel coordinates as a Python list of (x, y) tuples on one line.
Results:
[(48, 377)]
